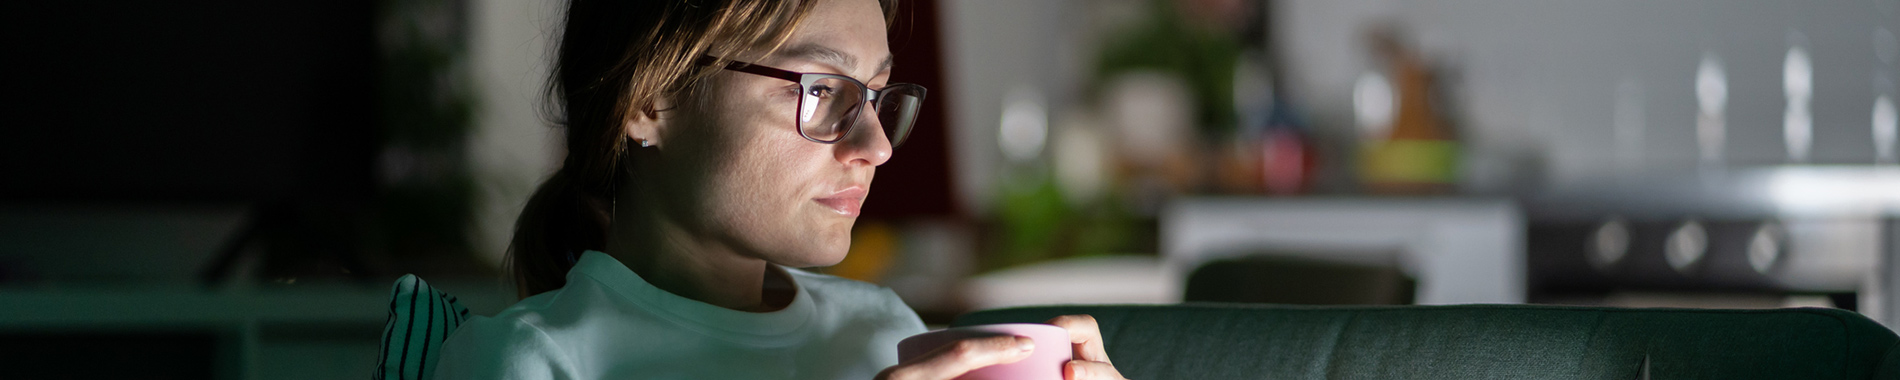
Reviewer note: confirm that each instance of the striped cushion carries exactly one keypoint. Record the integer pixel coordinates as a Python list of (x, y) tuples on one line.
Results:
[(420, 318)]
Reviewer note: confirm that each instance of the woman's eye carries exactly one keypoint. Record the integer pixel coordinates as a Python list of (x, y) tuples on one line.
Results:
[(821, 91)]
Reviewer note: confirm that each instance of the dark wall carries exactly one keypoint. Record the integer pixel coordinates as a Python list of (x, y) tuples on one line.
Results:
[(186, 100), (916, 181)]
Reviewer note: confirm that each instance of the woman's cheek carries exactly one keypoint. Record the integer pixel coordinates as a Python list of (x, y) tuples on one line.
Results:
[(773, 157)]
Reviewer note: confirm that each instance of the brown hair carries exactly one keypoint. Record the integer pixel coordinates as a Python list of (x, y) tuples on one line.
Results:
[(616, 57)]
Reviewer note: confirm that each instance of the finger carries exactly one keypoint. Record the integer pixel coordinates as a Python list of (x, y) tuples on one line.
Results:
[(964, 356), (1085, 335), (1088, 370)]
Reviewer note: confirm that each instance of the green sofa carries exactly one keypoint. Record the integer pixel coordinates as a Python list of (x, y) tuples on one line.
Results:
[(1254, 341)]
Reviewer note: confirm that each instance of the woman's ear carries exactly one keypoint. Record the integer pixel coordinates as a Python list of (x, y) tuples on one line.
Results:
[(645, 126)]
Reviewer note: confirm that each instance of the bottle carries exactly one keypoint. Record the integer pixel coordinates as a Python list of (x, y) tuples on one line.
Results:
[(1419, 154)]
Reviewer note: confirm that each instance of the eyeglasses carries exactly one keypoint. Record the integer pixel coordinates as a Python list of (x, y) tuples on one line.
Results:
[(829, 104)]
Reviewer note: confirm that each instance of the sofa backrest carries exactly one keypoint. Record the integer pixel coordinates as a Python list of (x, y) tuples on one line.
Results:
[(1235, 341)]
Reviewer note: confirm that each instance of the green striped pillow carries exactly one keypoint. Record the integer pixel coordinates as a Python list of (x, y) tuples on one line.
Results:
[(420, 318)]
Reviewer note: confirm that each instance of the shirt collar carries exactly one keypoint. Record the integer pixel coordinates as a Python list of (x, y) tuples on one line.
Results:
[(615, 276)]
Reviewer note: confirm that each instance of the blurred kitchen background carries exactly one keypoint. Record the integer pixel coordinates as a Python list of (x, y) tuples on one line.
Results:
[(226, 189)]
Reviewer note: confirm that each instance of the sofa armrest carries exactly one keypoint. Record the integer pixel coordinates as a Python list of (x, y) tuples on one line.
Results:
[(1890, 366), (1479, 341)]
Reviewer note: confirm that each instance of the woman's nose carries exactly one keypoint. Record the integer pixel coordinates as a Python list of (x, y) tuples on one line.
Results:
[(867, 142)]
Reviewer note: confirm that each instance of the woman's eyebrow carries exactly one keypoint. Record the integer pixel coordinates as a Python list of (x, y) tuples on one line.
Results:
[(834, 57)]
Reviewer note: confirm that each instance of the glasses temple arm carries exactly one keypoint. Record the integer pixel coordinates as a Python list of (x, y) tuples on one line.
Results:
[(707, 60)]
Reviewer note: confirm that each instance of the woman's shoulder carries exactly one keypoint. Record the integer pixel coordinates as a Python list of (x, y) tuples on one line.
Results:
[(509, 343), (530, 308), (521, 321)]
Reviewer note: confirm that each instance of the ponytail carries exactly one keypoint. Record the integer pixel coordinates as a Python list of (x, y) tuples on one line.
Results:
[(562, 219)]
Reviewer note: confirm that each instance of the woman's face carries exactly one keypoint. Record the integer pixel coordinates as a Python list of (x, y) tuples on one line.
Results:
[(733, 168)]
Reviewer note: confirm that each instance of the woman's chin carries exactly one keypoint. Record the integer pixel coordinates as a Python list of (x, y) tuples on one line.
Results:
[(815, 260), (823, 254)]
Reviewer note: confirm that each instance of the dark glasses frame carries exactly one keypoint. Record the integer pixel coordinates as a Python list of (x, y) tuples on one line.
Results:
[(850, 119)]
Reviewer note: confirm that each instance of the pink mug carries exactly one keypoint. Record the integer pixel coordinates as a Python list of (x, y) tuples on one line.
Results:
[(1045, 363)]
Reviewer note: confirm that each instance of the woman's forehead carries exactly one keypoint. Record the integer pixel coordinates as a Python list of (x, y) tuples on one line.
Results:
[(827, 55), (848, 34)]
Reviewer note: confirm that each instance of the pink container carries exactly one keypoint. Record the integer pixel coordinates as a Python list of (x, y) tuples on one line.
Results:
[(1045, 363)]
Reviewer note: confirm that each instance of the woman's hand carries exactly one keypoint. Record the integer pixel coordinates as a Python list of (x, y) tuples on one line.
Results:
[(1091, 360), (956, 360), (961, 357), (1085, 338)]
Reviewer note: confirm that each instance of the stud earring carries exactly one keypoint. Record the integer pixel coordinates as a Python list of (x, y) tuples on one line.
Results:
[(645, 143)]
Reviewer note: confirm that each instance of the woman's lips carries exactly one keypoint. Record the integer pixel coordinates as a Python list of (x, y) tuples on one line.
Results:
[(845, 202)]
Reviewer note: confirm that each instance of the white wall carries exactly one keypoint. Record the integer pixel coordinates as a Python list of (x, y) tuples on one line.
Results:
[(992, 47), (512, 148)]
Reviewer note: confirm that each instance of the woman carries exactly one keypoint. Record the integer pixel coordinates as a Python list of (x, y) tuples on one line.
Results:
[(711, 147)]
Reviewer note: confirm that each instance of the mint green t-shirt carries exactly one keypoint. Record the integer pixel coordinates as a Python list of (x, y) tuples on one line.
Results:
[(608, 323)]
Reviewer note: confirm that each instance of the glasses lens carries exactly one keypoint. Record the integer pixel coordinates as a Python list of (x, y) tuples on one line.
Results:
[(826, 107), (897, 110)]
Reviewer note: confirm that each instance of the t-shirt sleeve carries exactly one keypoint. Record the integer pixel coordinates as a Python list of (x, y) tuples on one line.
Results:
[(898, 322), (502, 348), (902, 318)]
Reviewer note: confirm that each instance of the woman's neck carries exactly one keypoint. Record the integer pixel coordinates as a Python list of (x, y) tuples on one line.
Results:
[(673, 259)]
